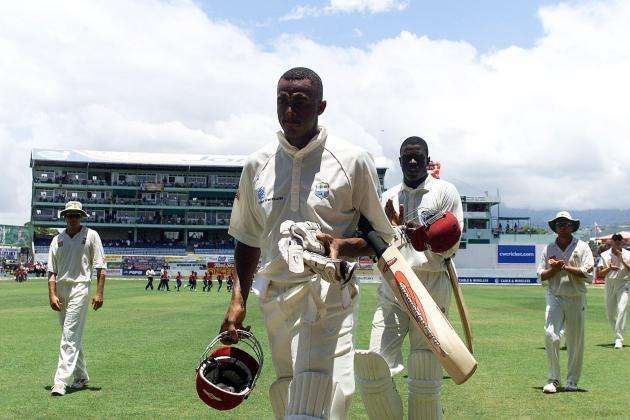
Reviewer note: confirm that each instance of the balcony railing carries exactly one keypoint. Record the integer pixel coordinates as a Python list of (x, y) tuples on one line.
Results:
[(134, 202)]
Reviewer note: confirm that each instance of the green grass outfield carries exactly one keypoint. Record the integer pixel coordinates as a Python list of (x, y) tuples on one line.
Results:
[(142, 348)]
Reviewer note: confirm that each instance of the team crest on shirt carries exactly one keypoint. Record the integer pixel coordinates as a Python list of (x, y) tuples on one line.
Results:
[(322, 190), (84, 239), (260, 194), (59, 244)]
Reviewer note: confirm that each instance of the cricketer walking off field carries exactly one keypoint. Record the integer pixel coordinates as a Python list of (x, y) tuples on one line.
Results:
[(614, 265), (306, 175), (565, 267), (420, 192), (72, 256)]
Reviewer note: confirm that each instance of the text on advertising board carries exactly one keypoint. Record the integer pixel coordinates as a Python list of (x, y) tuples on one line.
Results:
[(516, 254)]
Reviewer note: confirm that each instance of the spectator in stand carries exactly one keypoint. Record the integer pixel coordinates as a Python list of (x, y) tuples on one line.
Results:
[(150, 273), (178, 278)]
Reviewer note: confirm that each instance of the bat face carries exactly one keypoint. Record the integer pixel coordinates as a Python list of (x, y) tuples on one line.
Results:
[(413, 303), (427, 316)]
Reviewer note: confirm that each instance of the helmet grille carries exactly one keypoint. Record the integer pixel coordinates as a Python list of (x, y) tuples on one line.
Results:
[(228, 373)]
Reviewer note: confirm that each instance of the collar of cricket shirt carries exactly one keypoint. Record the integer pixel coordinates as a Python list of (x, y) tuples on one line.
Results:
[(313, 144), (422, 188)]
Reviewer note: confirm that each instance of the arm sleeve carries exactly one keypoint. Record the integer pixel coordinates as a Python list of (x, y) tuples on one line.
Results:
[(542, 264), (602, 262), (366, 196), (246, 224), (98, 254), (453, 202), (52, 256), (586, 263)]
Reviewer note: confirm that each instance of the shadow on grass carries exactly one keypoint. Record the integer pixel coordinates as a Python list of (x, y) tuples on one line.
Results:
[(563, 348), (561, 389), (608, 345), (72, 391)]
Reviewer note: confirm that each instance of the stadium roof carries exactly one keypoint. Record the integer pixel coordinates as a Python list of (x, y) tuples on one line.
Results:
[(148, 159)]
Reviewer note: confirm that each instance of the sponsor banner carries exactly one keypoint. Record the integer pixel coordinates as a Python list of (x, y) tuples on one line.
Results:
[(9, 253), (366, 263), (152, 186), (114, 265), (516, 254), (114, 272), (138, 265), (499, 280), (113, 258), (16, 235), (202, 259)]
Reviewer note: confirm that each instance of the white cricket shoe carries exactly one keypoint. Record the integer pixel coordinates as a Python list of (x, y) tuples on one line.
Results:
[(618, 343), (551, 387), (79, 383), (570, 387), (58, 390)]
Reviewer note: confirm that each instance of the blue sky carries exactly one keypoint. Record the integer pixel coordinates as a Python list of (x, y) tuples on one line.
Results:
[(487, 24)]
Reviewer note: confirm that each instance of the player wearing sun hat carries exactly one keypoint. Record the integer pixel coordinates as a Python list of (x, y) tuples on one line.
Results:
[(72, 256), (565, 265)]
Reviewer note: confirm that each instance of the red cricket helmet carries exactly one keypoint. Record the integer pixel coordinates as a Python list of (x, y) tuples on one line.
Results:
[(439, 233), (227, 374)]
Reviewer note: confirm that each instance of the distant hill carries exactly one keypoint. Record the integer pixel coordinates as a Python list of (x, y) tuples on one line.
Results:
[(603, 217)]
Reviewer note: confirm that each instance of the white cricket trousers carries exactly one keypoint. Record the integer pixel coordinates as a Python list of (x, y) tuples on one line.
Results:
[(74, 306), (570, 312), (616, 303), (309, 330)]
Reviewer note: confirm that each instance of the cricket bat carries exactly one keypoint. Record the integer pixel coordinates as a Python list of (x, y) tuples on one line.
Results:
[(449, 348), (461, 305)]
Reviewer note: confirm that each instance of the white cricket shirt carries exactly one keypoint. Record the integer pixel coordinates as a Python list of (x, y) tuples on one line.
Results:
[(434, 195), (607, 259), (578, 254), (330, 182), (72, 259)]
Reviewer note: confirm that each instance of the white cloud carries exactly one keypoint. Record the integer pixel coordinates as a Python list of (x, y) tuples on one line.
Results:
[(547, 125), (346, 6), (367, 6)]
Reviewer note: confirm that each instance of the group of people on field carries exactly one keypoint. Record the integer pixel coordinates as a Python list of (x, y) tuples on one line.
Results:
[(307, 174), (192, 280)]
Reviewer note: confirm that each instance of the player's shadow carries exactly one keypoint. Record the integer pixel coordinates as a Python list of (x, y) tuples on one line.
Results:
[(607, 345), (561, 389), (72, 391), (563, 348)]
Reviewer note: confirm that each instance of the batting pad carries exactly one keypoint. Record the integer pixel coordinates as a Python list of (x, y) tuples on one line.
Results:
[(377, 389), (425, 382), (278, 396), (314, 395)]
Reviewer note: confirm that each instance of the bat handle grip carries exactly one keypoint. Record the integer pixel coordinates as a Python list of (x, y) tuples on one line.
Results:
[(372, 237)]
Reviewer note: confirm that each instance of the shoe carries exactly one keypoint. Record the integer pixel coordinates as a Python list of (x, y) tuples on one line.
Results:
[(58, 390), (551, 387), (570, 387), (618, 343), (79, 383)]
